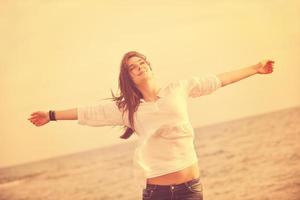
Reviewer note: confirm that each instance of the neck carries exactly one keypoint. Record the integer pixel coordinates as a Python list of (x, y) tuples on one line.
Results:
[(149, 90)]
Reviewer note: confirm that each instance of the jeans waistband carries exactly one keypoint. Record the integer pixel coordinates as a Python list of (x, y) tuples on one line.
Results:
[(173, 186)]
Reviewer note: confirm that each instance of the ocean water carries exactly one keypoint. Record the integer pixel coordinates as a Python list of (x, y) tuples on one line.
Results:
[(257, 157)]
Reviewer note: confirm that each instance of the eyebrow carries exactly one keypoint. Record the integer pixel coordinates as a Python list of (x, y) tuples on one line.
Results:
[(132, 64)]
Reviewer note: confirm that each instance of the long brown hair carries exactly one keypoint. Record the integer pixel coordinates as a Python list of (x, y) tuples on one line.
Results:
[(129, 98)]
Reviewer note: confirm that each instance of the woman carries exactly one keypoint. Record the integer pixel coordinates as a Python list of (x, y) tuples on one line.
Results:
[(165, 161)]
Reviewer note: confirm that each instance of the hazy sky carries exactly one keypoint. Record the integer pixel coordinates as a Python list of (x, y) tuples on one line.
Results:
[(63, 54)]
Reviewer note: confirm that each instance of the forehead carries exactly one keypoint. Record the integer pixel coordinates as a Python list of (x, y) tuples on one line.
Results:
[(134, 60)]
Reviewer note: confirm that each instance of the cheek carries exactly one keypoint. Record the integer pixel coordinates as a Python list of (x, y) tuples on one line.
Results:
[(134, 78)]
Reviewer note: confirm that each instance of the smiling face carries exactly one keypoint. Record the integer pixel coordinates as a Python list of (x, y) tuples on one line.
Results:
[(138, 69)]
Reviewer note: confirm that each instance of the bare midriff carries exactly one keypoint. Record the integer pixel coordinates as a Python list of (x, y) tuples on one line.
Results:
[(177, 177)]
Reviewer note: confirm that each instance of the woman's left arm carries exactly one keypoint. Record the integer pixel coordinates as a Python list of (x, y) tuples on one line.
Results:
[(263, 67)]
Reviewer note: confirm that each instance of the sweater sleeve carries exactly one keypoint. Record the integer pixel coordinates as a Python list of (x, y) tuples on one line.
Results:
[(104, 114), (198, 86)]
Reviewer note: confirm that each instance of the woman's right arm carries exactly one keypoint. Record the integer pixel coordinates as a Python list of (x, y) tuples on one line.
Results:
[(102, 114), (70, 114), (40, 118)]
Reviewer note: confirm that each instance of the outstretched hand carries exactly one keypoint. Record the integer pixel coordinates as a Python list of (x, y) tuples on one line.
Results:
[(265, 67), (39, 118)]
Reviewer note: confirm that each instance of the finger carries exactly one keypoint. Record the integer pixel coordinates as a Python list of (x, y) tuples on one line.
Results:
[(37, 124), (34, 121), (270, 63), (32, 118), (34, 113), (270, 69)]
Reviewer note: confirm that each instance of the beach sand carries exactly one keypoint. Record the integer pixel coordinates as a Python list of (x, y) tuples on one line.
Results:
[(257, 157)]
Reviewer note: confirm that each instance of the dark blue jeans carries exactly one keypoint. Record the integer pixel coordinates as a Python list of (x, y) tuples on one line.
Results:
[(190, 190)]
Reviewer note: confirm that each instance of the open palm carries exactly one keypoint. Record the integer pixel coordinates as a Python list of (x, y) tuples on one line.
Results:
[(39, 118)]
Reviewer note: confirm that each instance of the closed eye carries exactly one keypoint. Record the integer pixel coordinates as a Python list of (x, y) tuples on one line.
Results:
[(132, 68)]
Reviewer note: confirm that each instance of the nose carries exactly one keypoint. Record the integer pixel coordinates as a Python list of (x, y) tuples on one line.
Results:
[(140, 68)]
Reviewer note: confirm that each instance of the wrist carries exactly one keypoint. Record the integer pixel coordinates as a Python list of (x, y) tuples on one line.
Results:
[(51, 115), (256, 67)]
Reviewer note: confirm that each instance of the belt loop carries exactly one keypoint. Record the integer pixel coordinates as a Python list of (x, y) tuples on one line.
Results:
[(186, 184)]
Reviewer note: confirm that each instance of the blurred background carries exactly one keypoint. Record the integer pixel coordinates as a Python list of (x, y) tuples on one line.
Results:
[(64, 54)]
